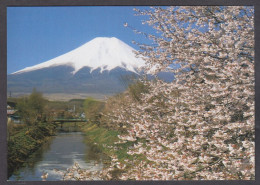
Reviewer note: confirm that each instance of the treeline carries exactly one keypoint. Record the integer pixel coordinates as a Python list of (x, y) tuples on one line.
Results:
[(31, 109), (35, 108)]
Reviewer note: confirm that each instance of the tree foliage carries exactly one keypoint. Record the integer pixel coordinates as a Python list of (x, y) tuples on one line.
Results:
[(92, 109), (201, 125), (31, 108)]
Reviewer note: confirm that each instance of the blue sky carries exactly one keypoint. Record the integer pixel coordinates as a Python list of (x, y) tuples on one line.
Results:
[(38, 34)]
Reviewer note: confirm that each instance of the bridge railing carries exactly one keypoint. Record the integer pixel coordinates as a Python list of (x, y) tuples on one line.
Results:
[(68, 120)]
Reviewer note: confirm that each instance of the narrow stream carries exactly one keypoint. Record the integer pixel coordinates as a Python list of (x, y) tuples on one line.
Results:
[(60, 153)]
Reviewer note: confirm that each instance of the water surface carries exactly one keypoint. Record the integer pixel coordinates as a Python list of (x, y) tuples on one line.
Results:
[(60, 153)]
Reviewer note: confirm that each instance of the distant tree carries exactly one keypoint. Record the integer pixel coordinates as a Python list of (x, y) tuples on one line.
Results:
[(92, 109), (31, 108), (37, 103)]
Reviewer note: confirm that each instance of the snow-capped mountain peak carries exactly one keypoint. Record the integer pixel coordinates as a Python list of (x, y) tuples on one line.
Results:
[(101, 52)]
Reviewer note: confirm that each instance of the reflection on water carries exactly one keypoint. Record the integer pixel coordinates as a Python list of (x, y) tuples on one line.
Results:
[(60, 153)]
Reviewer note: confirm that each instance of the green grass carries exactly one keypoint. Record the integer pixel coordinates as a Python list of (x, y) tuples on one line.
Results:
[(101, 136)]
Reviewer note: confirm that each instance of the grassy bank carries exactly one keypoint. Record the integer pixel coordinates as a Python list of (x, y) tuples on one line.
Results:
[(25, 142), (106, 141), (101, 137)]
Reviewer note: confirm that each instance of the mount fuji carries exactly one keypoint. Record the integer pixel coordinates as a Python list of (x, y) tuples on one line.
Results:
[(95, 67), (101, 52)]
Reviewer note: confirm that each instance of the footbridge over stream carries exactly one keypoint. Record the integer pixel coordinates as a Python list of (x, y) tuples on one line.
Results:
[(63, 120)]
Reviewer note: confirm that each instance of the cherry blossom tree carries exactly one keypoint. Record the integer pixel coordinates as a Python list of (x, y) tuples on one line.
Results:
[(201, 125)]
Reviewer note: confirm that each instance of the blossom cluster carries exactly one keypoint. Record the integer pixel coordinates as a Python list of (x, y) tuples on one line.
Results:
[(201, 125), (76, 173)]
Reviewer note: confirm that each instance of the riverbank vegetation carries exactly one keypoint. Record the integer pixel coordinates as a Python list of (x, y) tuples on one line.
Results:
[(25, 141), (31, 132)]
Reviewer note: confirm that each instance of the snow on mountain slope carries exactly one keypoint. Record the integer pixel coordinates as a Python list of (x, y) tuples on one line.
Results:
[(101, 52)]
